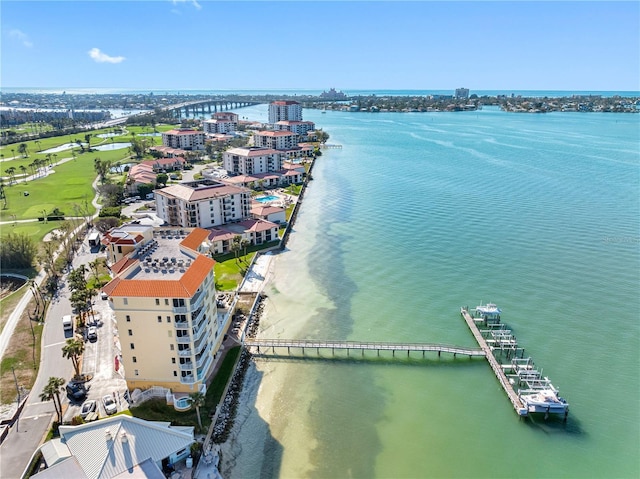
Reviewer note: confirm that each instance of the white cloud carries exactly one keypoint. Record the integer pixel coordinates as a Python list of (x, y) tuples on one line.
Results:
[(101, 57), (192, 2), (21, 37)]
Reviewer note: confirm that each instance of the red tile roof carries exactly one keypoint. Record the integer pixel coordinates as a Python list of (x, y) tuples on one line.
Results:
[(275, 133), (122, 265), (195, 239), (185, 287)]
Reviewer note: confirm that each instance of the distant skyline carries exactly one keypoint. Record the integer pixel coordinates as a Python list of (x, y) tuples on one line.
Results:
[(296, 45)]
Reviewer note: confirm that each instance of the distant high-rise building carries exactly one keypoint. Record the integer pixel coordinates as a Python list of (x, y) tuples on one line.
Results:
[(285, 111), (462, 93)]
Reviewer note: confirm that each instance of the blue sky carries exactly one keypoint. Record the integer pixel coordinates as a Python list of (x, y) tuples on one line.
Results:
[(240, 45)]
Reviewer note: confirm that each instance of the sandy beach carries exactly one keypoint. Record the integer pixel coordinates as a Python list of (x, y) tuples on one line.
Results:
[(293, 300)]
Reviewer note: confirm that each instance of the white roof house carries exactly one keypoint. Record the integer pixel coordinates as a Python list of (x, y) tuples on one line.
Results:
[(107, 448)]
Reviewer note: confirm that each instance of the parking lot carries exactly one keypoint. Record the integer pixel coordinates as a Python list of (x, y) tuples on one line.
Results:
[(101, 358)]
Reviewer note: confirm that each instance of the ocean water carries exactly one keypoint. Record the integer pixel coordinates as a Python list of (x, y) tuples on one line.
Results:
[(417, 215)]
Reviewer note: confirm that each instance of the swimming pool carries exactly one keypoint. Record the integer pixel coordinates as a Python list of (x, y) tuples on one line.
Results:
[(266, 199)]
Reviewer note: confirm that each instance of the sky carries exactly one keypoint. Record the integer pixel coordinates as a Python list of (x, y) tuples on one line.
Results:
[(308, 45)]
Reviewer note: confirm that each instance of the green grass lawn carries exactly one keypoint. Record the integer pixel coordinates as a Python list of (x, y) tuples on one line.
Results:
[(37, 230)]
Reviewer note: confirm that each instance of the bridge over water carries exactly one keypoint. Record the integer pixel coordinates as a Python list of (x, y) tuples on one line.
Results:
[(208, 106)]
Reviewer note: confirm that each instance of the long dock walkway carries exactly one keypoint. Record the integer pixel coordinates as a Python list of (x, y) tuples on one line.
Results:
[(266, 344), (497, 368)]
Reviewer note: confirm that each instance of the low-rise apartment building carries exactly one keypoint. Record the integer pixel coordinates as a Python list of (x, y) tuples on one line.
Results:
[(202, 204), (184, 139), (164, 299), (277, 140), (251, 160), (218, 126), (300, 128)]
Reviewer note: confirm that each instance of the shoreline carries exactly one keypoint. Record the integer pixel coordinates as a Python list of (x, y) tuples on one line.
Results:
[(261, 274)]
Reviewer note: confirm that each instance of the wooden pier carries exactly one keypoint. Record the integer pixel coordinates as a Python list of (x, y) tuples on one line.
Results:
[(497, 367), (263, 345)]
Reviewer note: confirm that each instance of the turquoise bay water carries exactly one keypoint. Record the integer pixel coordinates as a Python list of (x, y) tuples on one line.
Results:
[(417, 215)]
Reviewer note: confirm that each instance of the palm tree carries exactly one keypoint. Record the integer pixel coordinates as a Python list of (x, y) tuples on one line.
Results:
[(197, 400), (73, 350), (23, 149), (51, 392), (37, 142), (244, 243), (24, 172), (11, 171), (235, 246), (87, 137)]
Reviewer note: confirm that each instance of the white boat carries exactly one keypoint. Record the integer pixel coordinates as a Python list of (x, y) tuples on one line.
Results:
[(546, 401), (488, 311)]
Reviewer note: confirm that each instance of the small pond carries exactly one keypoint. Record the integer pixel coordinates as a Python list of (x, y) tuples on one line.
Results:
[(107, 135), (112, 146)]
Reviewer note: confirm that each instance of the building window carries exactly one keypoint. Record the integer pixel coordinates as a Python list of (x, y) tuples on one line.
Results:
[(135, 372), (130, 332), (166, 301), (134, 359), (168, 319), (128, 318), (132, 346), (125, 301), (171, 347), (173, 360), (175, 373), (157, 302), (159, 319)]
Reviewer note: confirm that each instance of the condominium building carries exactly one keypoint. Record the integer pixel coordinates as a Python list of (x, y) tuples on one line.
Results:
[(164, 299), (202, 204), (219, 126), (462, 93), (226, 115), (300, 128), (285, 110), (184, 138), (250, 161), (277, 140)]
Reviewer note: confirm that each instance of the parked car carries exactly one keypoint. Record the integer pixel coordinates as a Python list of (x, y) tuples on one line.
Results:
[(92, 333), (88, 407), (76, 391), (109, 404)]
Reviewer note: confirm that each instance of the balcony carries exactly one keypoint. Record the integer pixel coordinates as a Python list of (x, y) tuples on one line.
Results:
[(181, 325), (203, 338), (202, 371), (184, 353), (186, 366), (198, 332), (204, 356), (188, 379), (180, 309), (183, 339), (196, 300)]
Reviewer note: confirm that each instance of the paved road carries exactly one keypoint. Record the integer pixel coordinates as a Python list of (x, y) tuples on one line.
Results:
[(98, 360)]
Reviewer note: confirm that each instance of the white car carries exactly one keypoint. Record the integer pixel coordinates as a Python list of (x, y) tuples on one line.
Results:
[(88, 407), (92, 333), (104, 295), (110, 406)]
